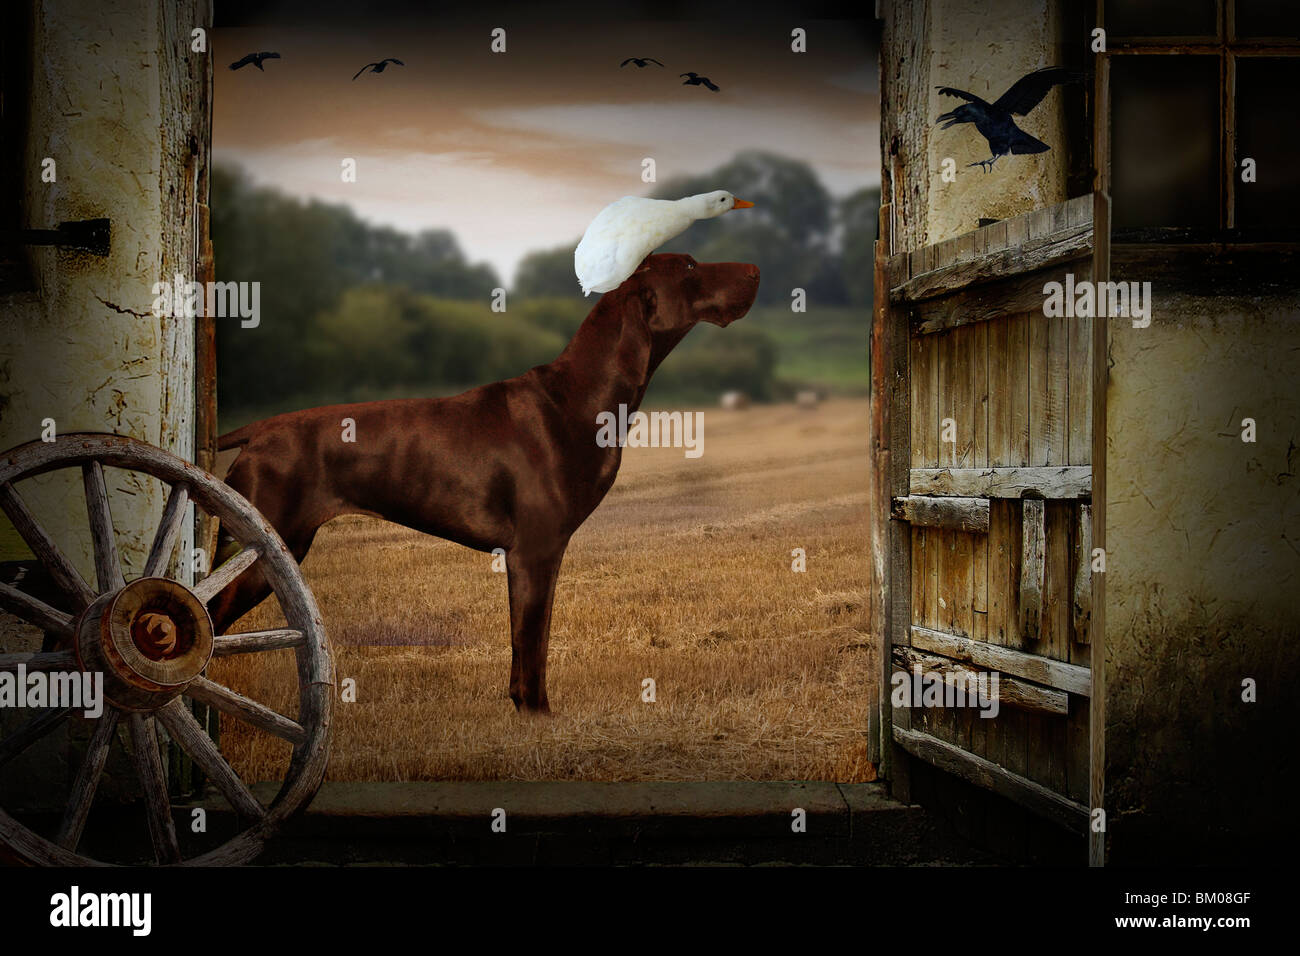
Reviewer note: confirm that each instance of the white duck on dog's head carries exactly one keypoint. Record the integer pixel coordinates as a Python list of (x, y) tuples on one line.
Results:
[(627, 231)]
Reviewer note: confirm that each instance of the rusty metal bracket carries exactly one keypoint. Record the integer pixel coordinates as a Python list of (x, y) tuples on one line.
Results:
[(92, 235)]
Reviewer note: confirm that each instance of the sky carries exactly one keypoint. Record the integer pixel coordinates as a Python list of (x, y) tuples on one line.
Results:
[(518, 151)]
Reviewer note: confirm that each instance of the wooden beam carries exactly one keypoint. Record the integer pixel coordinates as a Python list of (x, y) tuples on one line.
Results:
[(884, 432), (205, 365), (1041, 670), (984, 773), (1033, 541), (1011, 692), (1064, 245), (982, 303), (880, 363), (1070, 481), (1097, 623), (957, 514), (904, 128)]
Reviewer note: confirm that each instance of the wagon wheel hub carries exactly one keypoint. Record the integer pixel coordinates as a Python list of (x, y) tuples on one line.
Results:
[(150, 639), (155, 634)]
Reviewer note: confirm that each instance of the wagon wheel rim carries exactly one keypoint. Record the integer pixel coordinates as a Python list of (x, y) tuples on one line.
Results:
[(153, 638)]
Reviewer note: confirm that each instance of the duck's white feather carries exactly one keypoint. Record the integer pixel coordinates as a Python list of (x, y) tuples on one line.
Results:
[(627, 231), (622, 235)]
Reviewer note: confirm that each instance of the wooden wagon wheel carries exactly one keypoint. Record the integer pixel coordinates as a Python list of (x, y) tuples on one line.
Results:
[(152, 638)]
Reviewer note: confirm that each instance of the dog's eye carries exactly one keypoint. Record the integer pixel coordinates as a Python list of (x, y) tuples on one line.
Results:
[(690, 265)]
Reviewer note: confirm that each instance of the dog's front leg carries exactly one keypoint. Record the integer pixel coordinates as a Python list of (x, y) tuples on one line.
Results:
[(532, 579)]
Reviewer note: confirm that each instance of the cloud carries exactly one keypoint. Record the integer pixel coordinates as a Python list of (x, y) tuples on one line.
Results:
[(518, 152)]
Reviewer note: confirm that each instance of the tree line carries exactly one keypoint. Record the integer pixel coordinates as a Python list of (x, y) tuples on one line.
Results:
[(352, 311)]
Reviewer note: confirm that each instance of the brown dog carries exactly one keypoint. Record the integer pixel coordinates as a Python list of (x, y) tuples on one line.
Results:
[(512, 465)]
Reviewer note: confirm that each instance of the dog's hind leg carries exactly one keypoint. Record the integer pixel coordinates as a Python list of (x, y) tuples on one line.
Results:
[(532, 580)]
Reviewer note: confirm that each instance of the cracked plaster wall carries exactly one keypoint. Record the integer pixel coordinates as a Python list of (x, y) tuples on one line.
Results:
[(83, 348), (1203, 569)]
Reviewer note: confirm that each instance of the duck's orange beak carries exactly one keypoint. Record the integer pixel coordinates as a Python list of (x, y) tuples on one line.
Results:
[(741, 204)]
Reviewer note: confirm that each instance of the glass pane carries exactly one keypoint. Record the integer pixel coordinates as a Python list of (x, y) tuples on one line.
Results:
[(1165, 140), (1279, 19), (1161, 18), (1266, 133)]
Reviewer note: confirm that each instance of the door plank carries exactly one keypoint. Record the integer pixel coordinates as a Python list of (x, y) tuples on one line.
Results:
[(1003, 572), (1032, 569), (924, 402), (1081, 605), (960, 514), (1057, 585), (1041, 670), (1048, 482), (1079, 450), (984, 773)]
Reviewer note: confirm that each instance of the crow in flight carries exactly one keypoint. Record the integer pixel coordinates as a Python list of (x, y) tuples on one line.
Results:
[(255, 59), (697, 80), (994, 120), (380, 66), (640, 61)]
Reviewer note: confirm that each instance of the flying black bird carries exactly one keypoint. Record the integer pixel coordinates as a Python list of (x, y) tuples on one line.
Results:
[(640, 61), (255, 59), (697, 80), (994, 120), (380, 66)]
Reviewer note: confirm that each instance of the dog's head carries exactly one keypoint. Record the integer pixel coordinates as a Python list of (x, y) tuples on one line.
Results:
[(682, 291), (663, 300)]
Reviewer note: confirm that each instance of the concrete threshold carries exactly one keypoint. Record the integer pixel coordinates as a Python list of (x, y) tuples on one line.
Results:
[(576, 823)]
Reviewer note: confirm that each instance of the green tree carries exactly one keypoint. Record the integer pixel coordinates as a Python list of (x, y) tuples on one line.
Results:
[(858, 215), (787, 233), (548, 272)]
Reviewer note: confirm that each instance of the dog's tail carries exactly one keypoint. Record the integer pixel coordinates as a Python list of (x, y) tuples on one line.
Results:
[(238, 438)]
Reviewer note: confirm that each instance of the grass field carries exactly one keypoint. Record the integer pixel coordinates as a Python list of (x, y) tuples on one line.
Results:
[(683, 575), (825, 347)]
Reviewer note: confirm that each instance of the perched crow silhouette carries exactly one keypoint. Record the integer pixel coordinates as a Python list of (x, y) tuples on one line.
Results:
[(994, 120), (380, 66), (640, 61), (697, 80), (255, 59)]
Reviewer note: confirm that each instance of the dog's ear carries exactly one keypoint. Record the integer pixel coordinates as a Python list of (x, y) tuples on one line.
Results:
[(636, 341)]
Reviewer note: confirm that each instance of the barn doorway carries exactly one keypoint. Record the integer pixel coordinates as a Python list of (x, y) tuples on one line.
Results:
[(711, 616)]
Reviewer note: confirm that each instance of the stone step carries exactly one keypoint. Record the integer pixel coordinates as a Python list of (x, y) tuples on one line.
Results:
[(602, 823)]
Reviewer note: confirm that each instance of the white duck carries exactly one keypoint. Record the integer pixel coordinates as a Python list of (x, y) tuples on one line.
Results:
[(627, 231)]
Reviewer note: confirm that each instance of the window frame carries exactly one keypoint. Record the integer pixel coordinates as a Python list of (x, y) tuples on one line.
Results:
[(1228, 48)]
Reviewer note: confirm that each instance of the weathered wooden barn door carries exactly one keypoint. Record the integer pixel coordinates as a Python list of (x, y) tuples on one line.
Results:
[(986, 410)]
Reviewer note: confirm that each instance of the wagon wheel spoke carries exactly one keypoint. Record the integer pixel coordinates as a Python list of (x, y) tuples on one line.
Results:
[(149, 768), (87, 782), (30, 732), (69, 580), (164, 541), (108, 567), (250, 711), (215, 582), (39, 661), (185, 730), (168, 649), (35, 612), (251, 642)]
